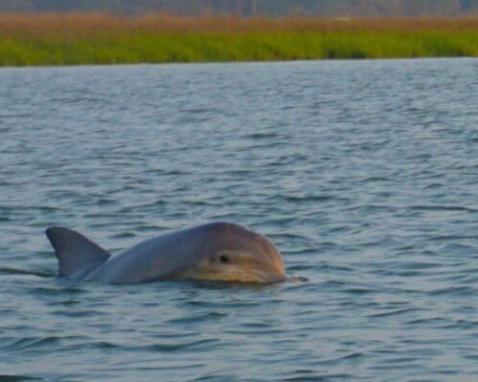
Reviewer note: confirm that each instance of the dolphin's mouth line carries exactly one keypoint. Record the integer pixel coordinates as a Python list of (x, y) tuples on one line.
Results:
[(237, 276)]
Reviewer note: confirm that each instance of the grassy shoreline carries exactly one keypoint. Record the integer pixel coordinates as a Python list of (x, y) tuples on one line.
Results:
[(73, 39)]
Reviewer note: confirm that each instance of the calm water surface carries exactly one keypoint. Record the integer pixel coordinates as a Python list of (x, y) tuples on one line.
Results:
[(364, 174)]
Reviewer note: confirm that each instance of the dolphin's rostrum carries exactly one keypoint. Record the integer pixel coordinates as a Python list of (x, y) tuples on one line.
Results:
[(216, 251)]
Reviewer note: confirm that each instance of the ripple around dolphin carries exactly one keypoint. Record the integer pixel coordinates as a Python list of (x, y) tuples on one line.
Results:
[(12, 271)]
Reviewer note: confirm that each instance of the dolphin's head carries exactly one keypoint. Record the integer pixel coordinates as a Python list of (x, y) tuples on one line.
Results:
[(236, 254)]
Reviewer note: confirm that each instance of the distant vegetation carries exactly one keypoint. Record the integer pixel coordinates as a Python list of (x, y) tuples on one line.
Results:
[(264, 8), (56, 39)]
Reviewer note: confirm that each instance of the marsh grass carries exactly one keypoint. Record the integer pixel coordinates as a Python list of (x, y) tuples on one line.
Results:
[(68, 39)]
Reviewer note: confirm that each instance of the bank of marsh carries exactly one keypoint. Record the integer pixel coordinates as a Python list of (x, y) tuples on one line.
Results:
[(69, 39)]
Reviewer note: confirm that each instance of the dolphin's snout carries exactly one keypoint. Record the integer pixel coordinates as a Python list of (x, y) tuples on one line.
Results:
[(277, 271), (274, 269)]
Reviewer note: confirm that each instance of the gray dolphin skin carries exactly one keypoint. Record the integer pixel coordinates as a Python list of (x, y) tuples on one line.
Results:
[(216, 251)]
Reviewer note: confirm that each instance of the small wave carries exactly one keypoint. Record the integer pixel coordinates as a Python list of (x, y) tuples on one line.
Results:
[(456, 291), (374, 179), (205, 317), (201, 203), (395, 312), (258, 136), (428, 322), (105, 345), (297, 279), (459, 249), (18, 378), (30, 343), (359, 291), (124, 235), (352, 356), (452, 237), (319, 378), (443, 208), (170, 348), (307, 198)]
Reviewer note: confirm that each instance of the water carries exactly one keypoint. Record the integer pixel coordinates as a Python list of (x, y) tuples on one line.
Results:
[(364, 174)]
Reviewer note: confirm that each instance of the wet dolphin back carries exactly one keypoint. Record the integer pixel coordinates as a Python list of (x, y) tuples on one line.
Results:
[(155, 258)]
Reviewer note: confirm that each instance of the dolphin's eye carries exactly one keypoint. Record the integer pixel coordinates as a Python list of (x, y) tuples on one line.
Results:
[(224, 259)]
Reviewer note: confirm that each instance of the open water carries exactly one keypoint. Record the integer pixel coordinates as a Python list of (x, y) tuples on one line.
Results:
[(363, 173)]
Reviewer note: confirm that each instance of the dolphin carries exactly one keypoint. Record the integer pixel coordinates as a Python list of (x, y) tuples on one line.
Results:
[(219, 251)]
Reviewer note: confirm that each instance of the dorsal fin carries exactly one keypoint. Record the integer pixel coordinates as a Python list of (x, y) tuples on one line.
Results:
[(75, 252)]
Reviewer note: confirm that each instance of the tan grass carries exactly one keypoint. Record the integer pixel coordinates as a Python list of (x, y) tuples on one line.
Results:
[(84, 23)]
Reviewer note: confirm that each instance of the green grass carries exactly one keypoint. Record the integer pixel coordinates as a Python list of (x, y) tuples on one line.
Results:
[(67, 45)]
